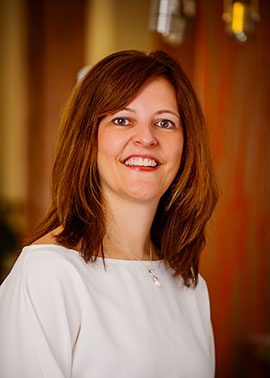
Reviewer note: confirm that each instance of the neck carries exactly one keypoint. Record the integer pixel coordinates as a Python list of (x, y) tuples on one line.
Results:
[(128, 226)]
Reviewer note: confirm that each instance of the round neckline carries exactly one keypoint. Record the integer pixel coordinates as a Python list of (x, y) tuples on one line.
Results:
[(99, 258), (126, 260)]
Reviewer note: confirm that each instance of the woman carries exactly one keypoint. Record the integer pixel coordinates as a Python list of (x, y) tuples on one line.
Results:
[(108, 285)]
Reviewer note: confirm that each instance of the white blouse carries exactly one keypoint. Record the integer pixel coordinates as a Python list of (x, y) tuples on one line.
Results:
[(61, 317)]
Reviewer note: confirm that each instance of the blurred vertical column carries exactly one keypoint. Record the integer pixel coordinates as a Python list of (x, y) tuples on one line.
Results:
[(55, 53), (12, 110), (114, 25), (13, 165), (233, 81)]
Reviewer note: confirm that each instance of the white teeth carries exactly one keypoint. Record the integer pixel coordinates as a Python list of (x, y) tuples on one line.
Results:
[(141, 162)]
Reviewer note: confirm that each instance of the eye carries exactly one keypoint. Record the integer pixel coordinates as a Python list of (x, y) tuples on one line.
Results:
[(165, 124), (121, 121)]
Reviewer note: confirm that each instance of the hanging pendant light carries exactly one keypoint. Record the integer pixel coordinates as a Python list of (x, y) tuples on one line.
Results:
[(169, 18), (240, 18)]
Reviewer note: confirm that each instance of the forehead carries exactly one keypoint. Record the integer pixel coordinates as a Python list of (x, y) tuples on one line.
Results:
[(156, 91)]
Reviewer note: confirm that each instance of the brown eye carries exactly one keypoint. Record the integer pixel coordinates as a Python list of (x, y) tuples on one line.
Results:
[(165, 124), (120, 121)]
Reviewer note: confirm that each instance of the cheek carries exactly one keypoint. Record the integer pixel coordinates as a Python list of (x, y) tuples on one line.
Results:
[(176, 157), (102, 140), (106, 144), (102, 152), (111, 143), (176, 150)]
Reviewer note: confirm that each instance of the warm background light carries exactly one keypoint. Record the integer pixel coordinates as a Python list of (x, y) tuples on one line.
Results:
[(43, 46), (238, 17)]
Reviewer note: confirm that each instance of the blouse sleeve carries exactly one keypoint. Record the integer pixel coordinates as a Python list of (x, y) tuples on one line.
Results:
[(39, 317), (206, 314)]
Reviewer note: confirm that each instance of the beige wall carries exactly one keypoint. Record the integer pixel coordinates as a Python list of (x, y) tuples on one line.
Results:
[(114, 25), (12, 101)]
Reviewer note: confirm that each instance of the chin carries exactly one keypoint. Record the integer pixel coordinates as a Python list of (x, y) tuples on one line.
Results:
[(143, 194)]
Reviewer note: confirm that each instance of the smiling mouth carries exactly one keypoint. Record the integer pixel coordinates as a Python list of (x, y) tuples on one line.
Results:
[(141, 162)]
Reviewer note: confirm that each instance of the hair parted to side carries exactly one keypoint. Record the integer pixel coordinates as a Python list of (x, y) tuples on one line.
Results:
[(178, 229)]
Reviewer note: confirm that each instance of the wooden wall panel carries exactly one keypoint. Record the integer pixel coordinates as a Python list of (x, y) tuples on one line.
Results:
[(55, 55), (234, 87), (233, 83)]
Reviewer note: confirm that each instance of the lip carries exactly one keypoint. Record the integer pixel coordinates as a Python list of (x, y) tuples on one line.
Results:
[(143, 156)]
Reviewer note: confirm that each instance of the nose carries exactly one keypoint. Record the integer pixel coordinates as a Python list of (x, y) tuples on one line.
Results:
[(144, 136)]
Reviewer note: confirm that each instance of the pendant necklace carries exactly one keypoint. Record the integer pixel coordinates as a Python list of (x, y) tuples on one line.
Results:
[(150, 270)]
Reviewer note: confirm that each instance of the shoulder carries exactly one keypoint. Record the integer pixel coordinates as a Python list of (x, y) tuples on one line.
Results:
[(201, 288), (48, 265), (202, 296), (202, 285), (44, 287), (46, 255), (47, 252), (44, 278)]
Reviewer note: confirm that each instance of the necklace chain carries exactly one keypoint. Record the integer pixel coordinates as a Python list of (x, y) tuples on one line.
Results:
[(150, 270)]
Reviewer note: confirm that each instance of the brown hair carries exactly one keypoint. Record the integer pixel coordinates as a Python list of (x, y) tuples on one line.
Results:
[(178, 229)]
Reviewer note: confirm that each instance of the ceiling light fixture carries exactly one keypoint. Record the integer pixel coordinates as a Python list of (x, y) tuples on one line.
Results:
[(240, 18), (169, 18)]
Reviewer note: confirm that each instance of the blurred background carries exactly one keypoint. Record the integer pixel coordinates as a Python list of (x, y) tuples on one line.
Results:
[(224, 47)]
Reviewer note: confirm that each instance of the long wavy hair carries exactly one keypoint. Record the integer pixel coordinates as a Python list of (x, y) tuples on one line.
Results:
[(178, 229)]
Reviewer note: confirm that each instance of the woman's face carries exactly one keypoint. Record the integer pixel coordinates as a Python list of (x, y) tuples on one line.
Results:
[(140, 147)]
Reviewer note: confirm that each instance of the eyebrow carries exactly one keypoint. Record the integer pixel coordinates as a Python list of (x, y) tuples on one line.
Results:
[(161, 111)]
